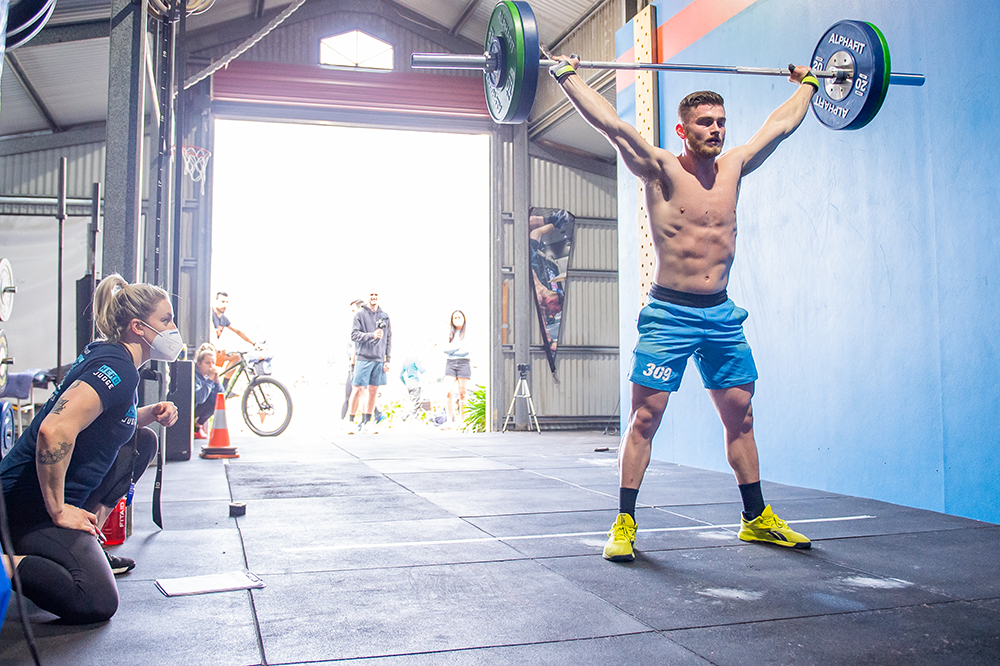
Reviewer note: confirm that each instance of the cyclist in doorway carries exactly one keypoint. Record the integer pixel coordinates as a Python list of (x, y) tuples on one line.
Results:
[(220, 322)]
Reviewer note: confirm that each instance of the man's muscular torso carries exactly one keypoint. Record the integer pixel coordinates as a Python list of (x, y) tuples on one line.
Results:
[(693, 224)]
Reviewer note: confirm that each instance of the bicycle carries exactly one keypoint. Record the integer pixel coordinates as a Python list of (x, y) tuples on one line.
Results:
[(266, 404)]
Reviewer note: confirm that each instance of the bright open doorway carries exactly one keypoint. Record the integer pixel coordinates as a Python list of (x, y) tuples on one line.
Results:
[(307, 218)]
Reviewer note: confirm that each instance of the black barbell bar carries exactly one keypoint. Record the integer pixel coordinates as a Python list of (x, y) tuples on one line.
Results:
[(486, 63)]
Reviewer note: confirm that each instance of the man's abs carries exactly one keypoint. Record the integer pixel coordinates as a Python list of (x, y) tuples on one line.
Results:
[(692, 255), (694, 233)]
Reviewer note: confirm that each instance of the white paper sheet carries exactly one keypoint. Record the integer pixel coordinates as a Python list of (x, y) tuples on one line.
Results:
[(224, 582)]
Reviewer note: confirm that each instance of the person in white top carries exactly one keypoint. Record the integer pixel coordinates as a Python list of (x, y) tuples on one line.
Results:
[(458, 367)]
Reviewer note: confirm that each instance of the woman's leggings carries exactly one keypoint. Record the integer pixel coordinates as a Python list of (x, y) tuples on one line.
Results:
[(205, 410), (65, 571)]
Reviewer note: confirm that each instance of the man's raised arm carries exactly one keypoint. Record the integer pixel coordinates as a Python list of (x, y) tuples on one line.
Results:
[(781, 123), (637, 154)]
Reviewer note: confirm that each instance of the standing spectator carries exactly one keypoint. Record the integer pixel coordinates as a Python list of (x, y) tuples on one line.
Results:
[(206, 387), (220, 322), (372, 335), (356, 305), (457, 367)]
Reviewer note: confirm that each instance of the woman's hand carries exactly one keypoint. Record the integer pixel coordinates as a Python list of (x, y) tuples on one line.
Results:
[(165, 413), (75, 518)]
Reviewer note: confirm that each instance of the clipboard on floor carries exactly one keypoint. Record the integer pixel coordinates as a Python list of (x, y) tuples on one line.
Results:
[(223, 582)]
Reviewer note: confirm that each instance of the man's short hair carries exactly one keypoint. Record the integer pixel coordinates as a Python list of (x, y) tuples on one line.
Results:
[(221, 293), (695, 100)]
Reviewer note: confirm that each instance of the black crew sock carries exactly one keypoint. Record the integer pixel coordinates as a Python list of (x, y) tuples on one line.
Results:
[(366, 418), (753, 500), (626, 500), (350, 418)]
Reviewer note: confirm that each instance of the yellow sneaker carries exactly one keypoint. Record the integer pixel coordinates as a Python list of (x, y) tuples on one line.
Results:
[(621, 536), (768, 528)]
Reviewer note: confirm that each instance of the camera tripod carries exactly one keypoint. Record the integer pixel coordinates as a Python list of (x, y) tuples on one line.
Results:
[(522, 391)]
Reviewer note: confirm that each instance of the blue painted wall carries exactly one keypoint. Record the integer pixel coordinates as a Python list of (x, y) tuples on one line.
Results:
[(869, 261)]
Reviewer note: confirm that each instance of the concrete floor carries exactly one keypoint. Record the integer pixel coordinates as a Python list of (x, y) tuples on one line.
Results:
[(423, 547)]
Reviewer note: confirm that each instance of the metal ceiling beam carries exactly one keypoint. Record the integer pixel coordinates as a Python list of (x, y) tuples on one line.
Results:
[(22, 77), (565, 156), (239, 29), (464, 18), (71, 32), (425, 27), (77, 136), (555, 43), (244, 46)]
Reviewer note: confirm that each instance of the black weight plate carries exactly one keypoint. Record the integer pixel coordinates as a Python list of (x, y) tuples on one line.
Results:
[(23, 13), (6, 428), (864, 44), (511, 93), (31, 26), (3, 357), (6, 289)]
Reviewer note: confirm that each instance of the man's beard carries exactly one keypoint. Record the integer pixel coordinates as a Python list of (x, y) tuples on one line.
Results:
[(704, 149)]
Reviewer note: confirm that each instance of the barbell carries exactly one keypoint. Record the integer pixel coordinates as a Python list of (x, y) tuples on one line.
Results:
[(851, 58)]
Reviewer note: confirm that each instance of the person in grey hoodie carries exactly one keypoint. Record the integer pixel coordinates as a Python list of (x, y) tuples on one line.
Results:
[(372, 335)]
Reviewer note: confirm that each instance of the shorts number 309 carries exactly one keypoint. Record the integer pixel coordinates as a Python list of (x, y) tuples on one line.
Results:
[(657, 371)]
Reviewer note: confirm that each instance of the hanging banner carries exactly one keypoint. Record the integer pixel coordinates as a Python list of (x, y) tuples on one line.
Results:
[(550, 233)]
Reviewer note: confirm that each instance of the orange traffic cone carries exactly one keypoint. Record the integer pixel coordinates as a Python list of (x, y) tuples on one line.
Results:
[(218, 444)]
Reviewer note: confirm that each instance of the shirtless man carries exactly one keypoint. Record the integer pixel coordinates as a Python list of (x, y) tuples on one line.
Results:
[(691, 199)]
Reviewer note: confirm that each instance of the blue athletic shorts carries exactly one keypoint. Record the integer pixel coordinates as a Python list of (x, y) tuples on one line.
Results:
[(669, 334), (368, 373)]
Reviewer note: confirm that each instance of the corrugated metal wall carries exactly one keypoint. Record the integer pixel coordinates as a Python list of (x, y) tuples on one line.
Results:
[(594, 39), (37, 173), (554, 186), (586, 395)]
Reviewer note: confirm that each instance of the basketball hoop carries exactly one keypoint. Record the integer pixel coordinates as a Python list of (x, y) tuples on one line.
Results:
[(195, 163)]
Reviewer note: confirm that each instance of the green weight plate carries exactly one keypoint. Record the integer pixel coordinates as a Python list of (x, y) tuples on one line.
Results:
[(512, 38), (881, 90)]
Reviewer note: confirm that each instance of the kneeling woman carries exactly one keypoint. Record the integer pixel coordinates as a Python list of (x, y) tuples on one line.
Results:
[(81, 452)]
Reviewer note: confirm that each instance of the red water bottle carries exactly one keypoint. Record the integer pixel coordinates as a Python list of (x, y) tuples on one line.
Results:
[(114, 526)]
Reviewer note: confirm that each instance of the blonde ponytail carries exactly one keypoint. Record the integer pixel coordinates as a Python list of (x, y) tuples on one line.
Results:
[(116, 303)]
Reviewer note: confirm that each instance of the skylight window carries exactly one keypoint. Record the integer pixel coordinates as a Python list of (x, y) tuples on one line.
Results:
[(355, 49)]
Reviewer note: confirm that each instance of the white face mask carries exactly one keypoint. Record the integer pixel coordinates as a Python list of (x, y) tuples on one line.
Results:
[(166, 346)]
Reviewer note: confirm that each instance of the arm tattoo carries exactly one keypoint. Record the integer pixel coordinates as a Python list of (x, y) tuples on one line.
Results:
[(61, 403), (55, 455)]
